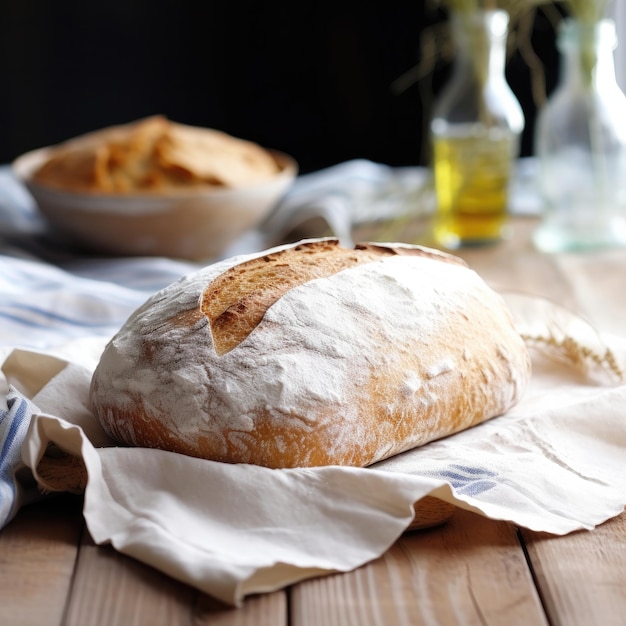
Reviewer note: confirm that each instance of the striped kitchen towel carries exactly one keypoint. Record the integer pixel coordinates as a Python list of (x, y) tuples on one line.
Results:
[(15, 412), (49, 309)]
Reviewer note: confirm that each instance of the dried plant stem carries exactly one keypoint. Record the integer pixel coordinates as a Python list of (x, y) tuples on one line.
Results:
[(534, 63), (589, 11)]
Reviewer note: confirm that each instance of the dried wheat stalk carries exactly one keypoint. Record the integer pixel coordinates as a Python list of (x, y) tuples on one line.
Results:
[(565, 336)]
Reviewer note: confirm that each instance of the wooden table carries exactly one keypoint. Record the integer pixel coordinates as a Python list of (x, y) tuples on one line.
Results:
[(471, 570)]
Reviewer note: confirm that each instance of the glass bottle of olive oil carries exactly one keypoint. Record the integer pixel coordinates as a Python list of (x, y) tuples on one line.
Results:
[(475, 130)]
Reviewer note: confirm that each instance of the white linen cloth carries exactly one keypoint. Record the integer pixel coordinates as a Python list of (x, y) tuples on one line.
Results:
[(554, 463)]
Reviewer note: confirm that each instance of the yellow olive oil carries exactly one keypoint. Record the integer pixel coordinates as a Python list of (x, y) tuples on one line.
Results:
[(471, 175)]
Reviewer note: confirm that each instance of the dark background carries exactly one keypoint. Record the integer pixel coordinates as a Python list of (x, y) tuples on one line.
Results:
[(316, 81)]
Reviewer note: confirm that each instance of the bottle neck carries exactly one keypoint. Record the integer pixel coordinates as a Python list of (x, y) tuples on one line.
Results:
[(477, 94), (587, 54), (481, 39)]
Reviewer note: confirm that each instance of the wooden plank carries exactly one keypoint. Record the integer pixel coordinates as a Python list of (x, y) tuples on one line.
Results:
[(582, 576), (111, 588), (269, 609), (471, 570), (38, 551)]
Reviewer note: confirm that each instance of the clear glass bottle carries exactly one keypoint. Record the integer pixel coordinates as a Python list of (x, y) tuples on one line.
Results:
[(581, 145), (475, 131)]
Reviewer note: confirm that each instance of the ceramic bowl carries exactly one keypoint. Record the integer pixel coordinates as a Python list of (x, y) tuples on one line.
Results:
[(192, 224)]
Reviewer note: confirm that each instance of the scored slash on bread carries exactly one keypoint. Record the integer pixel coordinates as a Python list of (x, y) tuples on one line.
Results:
[(236, 301)]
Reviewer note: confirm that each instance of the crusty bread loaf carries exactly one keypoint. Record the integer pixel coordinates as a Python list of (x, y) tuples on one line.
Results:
[(155, 155), (312, 354)]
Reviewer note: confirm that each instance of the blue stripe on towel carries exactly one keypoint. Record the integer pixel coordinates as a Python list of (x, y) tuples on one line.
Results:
[(14, 423), (49, 316)]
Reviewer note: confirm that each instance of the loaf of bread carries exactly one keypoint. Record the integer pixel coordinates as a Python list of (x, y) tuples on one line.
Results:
[(312, 354)]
